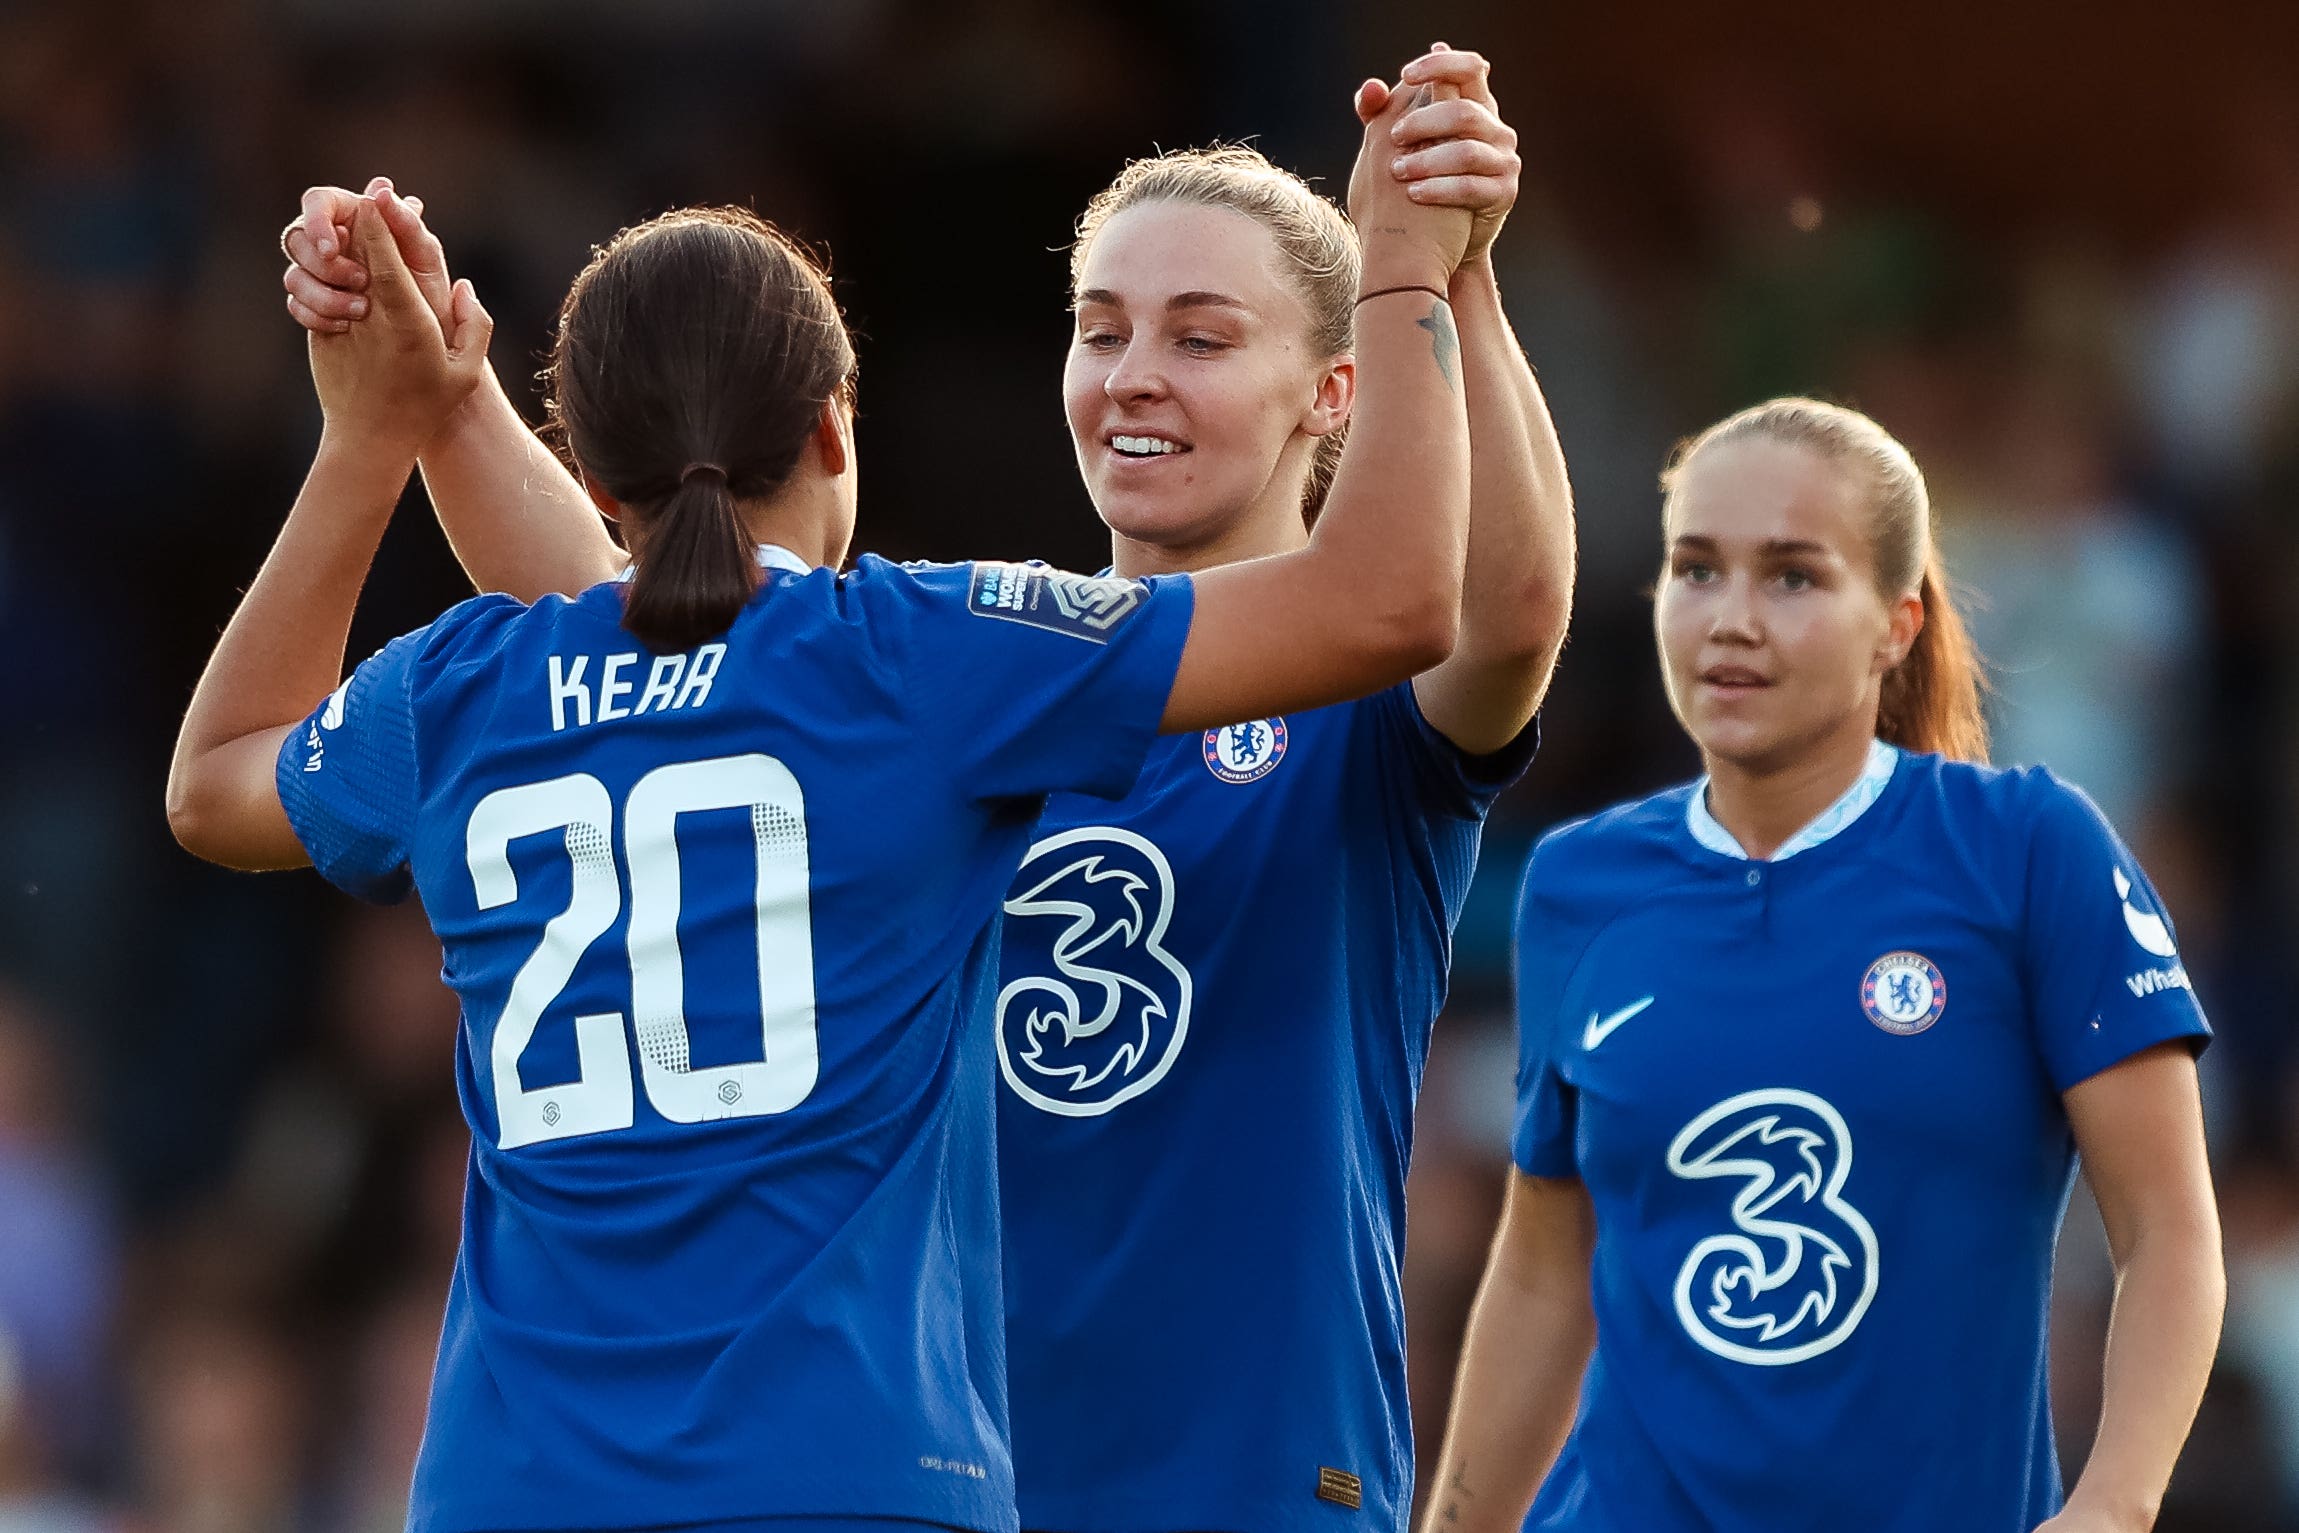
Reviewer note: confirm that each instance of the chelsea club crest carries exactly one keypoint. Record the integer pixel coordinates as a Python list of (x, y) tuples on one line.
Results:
[(1904, 993), (1245, 752)]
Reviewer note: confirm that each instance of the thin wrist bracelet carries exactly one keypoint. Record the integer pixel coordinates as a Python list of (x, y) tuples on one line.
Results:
[(1410, 287)]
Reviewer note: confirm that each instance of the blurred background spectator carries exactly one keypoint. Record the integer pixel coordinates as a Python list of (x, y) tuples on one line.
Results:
[(2054, 247)]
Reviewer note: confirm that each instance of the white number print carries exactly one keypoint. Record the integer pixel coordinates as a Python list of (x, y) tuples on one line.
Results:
[(600, 1098), (1799, 1267)]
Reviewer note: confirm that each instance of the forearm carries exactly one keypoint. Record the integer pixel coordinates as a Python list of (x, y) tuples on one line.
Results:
[(517, 520), (1516, 599), (1519, 590), (281, 653), (1513, 1401), (283, 649), (1394, 529), (2162, 1335)]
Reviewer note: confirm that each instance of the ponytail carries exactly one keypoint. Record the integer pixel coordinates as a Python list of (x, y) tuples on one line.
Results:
[(1932, 698), (696, 571)]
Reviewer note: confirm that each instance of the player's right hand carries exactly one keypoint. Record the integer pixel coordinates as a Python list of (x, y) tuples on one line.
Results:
[(325, 279), (1406, 242), (389, 381)]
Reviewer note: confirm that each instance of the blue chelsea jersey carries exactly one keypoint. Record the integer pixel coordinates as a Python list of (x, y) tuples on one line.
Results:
[(1215, 1006), (1816, 1104), (723, 927)]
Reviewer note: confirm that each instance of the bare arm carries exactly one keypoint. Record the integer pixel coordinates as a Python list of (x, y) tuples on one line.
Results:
[(1518, 597), (2139, 1125), (516, 518), (1530, 1335), (385, 387)]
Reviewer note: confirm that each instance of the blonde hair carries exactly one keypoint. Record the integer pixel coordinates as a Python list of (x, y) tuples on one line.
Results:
[(1315, 242), (1931, 698)]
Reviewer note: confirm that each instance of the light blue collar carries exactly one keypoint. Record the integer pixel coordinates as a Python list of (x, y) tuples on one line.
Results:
[(771, 556), (1830, 823)]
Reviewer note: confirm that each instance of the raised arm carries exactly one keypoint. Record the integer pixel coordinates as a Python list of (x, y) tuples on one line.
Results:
[(1376, 595), (1530, 1335), (385, 387), (516, 518), (2139, 1126), (1518, 597)]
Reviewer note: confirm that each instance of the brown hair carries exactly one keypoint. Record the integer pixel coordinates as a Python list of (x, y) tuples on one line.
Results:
[(1314, 240), (1931, 698), (694, 356)]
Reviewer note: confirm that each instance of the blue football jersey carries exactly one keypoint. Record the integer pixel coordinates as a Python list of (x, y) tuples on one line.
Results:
[(1215, 1006), (723, 925), (1816, 1104)]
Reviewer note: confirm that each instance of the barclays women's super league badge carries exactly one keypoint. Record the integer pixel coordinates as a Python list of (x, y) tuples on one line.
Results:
[(1904, 993), (1245, 752)]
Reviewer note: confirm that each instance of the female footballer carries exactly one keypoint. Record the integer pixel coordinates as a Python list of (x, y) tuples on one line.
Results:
[(1809, 1050), (716, 856), (1217, 993)]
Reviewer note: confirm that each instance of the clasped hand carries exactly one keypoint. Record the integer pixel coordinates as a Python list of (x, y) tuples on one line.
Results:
[(392, 379), (1435, 147)]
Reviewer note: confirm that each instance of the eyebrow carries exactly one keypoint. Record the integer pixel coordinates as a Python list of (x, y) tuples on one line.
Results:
[(1771, 548), (1198, 298)]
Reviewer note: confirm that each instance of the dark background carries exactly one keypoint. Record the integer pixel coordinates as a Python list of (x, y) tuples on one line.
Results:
[(2055, 247)]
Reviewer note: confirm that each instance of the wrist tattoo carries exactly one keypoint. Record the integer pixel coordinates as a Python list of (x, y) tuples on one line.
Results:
[(1444, 341)]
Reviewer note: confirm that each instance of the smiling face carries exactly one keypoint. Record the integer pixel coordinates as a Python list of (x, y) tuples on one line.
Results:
[(1194, 391), (1774, 639)]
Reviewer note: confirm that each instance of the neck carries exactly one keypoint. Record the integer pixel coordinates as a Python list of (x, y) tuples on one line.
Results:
[(802, 517), (1271, 527), (1763, 804)]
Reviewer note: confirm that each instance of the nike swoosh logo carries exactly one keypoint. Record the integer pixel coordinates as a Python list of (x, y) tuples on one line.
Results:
[(1601, 1028)]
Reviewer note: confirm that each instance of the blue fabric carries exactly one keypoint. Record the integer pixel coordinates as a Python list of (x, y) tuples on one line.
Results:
[(730, 1245), (1216, 1005), (1792, 1336)]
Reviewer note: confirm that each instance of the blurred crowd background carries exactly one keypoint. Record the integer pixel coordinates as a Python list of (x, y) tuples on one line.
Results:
[(2055, 247)]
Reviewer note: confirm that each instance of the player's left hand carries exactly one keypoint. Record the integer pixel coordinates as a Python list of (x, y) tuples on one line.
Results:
[(1455, 151)]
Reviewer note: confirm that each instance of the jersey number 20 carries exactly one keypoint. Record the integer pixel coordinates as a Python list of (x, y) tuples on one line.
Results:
[(599, 1099)]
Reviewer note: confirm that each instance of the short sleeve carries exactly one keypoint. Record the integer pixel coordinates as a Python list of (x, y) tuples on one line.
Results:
[(347, 776), (1449, 780), (1542, 1142), (2104, 979), (1029, 680)]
